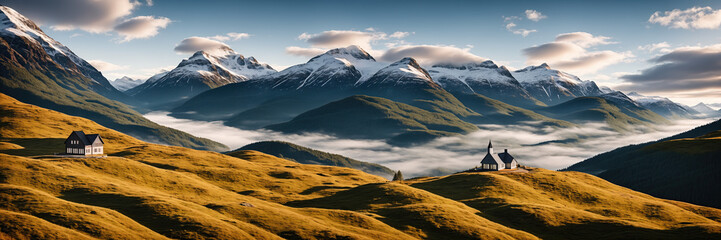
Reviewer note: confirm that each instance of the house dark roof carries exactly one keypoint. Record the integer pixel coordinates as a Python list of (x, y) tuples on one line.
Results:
[(506, 157), (91, 138), (491, 159), (87, 139)]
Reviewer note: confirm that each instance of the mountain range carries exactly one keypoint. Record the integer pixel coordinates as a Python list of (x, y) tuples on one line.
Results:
[(474, 93)]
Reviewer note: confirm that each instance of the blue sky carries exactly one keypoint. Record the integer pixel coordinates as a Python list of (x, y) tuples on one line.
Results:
[(607, 40)]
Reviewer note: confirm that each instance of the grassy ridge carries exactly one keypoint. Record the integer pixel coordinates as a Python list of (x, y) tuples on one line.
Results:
[(149, 191), (306, 155)]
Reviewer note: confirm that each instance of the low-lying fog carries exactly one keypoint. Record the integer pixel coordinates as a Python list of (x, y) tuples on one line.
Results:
[(529, 145)]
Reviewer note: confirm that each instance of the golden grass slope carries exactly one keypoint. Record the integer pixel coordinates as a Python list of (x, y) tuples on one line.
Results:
[(150, 191)]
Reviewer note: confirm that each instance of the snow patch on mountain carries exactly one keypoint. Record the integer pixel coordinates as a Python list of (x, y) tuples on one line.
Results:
[(402, 72), (487, 72)]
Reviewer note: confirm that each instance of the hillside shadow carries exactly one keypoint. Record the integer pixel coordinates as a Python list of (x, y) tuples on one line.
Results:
[(136, 208), (35, 146)]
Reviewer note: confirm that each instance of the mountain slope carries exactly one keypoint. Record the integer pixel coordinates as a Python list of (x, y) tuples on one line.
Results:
[(484, 78), (20, 33), (381, 119), (149, 191), (200, 72), (306, 155), (552, 86), (617, 115), (663, 106), (683, 167), (30, 75)]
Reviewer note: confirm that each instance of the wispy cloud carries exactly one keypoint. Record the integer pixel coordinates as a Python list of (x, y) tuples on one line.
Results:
[(93, 16), (194, 44), (141, 27), (694, 68), (529, 14), (695, 17), (103, 66), (431, 54), (569, 52), (534, 15), (661, 47), (449, 154)]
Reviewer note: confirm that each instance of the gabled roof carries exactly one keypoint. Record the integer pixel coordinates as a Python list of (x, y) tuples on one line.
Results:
[(91, 138), (505, 157), (86, 139), (491, 159)]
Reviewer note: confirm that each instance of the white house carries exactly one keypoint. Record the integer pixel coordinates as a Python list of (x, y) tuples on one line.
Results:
[(495, 162), (80, 144)]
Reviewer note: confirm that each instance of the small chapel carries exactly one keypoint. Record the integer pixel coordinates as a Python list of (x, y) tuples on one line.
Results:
[(497, 162)]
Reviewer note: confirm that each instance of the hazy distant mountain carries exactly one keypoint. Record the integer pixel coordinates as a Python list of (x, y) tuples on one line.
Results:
[(663, 106), (38, 70), (125, 83), (553, 86), (619, 115), (704, 109), (200, 72)]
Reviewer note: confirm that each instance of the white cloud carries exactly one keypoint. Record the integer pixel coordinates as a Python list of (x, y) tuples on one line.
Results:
[(583, 39), (399, 35), (534, 15), (141, 27), (511, 25), (305, 52), (342, 38), (662, 47), (431, 54), (103, 66), (94, 16), (238, 36), (194, 44), (569, 52), (695, 17), (230, 36)]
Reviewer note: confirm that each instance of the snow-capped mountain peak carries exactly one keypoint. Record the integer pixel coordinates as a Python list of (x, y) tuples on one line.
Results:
[(351, 52), (241, 67), (409, 66), (15, 25), (125, 83), (544, 73)]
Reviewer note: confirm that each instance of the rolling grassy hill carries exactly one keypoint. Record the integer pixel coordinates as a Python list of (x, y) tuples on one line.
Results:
[(306, 155), (380, 118), (684, 167), (150, 191)]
